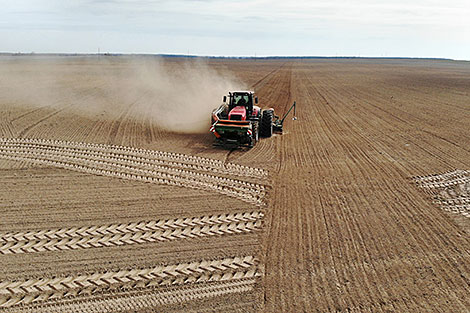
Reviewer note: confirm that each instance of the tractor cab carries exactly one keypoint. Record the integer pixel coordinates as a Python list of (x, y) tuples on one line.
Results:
[(240, 105)]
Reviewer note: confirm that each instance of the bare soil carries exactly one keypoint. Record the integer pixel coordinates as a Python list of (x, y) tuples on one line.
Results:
[(347, 218)]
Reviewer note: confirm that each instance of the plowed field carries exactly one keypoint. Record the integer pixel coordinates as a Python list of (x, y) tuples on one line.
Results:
[(362, 205)]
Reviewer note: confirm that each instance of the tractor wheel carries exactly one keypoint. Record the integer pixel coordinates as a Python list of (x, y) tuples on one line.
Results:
[(266, 129), (255, 134)]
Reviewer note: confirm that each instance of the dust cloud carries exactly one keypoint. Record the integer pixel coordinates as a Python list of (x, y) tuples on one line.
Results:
[(175, 95), (179, 96)]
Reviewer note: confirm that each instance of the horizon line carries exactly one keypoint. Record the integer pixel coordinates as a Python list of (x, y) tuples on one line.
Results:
[(178, 55)]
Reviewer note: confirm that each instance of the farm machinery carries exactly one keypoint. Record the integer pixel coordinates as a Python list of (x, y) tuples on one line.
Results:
[(239, 122)]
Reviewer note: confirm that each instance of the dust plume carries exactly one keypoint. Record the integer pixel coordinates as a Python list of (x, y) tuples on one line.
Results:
[(178, 96), (175, 95)]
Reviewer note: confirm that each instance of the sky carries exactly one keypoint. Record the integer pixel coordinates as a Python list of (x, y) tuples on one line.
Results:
[(392, 28)]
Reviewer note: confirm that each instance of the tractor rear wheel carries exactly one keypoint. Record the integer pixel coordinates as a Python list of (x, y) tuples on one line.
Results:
[(266, 128)]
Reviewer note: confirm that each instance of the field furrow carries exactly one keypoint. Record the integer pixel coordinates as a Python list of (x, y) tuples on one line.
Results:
[(353, 216), (106, 208)]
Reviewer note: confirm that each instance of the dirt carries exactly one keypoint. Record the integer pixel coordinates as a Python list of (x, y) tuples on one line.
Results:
[(361, 206)]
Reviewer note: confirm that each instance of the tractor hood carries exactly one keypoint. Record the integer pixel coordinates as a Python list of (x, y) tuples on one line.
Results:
[(238, 113)]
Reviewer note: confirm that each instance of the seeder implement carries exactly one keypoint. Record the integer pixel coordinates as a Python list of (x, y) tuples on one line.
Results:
[(278, 123)]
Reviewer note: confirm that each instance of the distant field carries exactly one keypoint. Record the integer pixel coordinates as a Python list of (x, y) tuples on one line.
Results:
[(363, 205)]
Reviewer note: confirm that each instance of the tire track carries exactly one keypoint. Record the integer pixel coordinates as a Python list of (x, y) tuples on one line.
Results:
[(48, 116), (6, 127), (110, 162), (277, 96), (117, 123), (113, 159), (172, 159), (40, 290), (28, 112), (129, 167), (101, 168), (129, 234), (264, 79), (140, 300), (449, 190), (443, 180), (51, 111)]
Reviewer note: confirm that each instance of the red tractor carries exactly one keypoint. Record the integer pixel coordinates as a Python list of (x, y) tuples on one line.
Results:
[(240, 123)]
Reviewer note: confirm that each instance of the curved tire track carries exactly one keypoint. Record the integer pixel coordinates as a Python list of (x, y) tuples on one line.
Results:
[(128, 234), (134, 169), (169, 158)]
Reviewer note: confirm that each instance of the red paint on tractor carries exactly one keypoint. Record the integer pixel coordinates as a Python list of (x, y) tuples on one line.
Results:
[(238, 113)]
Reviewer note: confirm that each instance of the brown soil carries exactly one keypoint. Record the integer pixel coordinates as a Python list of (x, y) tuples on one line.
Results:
[(347, 226)]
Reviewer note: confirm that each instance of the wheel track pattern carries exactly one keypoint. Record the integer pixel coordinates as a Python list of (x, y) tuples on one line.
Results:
[(450, 190), (141, 300), (100, 168), (167, 158), (109, 162), (128, 234), (40, 290), (129, 167)]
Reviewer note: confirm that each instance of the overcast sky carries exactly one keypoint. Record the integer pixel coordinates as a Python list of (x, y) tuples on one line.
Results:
[(419, 28)]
